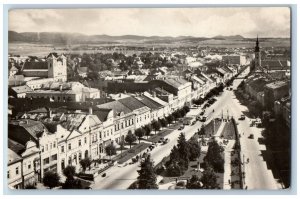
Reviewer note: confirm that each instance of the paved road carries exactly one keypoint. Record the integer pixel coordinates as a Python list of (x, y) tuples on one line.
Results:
[(257, 174)]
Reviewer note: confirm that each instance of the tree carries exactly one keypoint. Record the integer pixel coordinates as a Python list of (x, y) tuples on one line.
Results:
[(140, 132), (163, 122), (194, 183), (130, 138), (209, 179), (30, 186), (186, 109), (202, 130), (156, 125), (51, 179), (214, 156), (174, 169), (110, 150), (85, 163), (72, 183), (194, 148), (147, 176), (69, 172), (184, 151), (170, 119), (148, 129)]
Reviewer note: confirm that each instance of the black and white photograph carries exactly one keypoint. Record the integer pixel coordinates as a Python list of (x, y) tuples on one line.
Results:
[(170, 98)]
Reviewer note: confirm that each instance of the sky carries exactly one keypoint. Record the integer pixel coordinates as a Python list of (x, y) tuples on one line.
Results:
[(198, 22)]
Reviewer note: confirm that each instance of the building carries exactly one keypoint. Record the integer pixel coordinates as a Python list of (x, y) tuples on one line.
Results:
[(30, 155), (257, 58), (156, 109), (141, 111), (234, 59), (275, 91), (54, 66), (20, 91), (14, 167), (124, 118), (64, 92)]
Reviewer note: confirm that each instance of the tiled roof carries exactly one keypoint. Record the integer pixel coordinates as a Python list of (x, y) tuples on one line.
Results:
[(102, 114), (36, 65), (275, 64), (15, 146), (149, 102), (117, 106), (21, 89), (132, 103)]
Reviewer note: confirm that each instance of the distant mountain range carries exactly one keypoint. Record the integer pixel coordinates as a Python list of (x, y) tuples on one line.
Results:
[(77, 38)]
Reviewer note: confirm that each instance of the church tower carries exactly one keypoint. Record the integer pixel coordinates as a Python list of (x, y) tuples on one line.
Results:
[(257, 55), (57, 67)]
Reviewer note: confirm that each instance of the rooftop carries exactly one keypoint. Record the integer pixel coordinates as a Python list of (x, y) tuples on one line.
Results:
[(277, 84)]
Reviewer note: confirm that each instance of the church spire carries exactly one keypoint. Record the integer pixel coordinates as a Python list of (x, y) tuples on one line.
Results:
[(257, 45)]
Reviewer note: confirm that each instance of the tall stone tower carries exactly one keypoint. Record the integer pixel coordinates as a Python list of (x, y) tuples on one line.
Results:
[(57, 67), (257, 55)]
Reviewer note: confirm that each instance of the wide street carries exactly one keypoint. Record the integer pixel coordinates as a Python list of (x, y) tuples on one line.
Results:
[(256, 172)]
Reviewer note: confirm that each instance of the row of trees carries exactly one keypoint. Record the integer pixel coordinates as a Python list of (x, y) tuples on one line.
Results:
[(208, 180)]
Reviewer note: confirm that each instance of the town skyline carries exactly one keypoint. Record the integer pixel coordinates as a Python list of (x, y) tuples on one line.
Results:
[(173, 22)]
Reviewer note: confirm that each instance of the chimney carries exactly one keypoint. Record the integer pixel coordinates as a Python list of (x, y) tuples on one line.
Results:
[(90, 111)]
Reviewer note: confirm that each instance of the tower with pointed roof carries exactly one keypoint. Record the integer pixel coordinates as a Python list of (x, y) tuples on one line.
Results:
[(257, 54), (57, 67)]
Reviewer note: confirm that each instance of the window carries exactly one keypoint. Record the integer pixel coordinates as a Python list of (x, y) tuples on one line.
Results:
[(46, 161), (62, 149), (79, 156), (69, 146), (8, 176), (79, 142), (70, 160), (85, 140), (54, 144), (54, 157), (29, 165), (42, 148), (50, 145)]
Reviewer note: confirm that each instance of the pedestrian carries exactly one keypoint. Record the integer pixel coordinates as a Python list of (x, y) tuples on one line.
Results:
[(176, 180)]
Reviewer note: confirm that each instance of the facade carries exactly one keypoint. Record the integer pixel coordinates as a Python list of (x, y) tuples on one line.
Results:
[(14, 167), (275, 91)]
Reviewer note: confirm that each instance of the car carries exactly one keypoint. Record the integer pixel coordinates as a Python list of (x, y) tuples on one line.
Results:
[(202, 113), (203, 119), (242, 117), (181, 128), (166, 141), (251, 136)]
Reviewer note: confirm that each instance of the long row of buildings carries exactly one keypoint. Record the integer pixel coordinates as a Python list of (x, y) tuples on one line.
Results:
[(47, 139)]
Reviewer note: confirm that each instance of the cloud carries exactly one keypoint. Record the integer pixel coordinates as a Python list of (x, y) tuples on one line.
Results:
[(265, 21)]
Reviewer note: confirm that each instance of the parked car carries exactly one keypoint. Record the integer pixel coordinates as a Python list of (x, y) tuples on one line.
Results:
[(242, 117), (203, 119), (202, 113), (251, 136), (181, 127), (166, 141), (194, 122)]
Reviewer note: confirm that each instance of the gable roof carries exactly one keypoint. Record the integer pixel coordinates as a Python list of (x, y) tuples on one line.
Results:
[(132, 103), (149, 102), (35, 65), (117, 106)]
